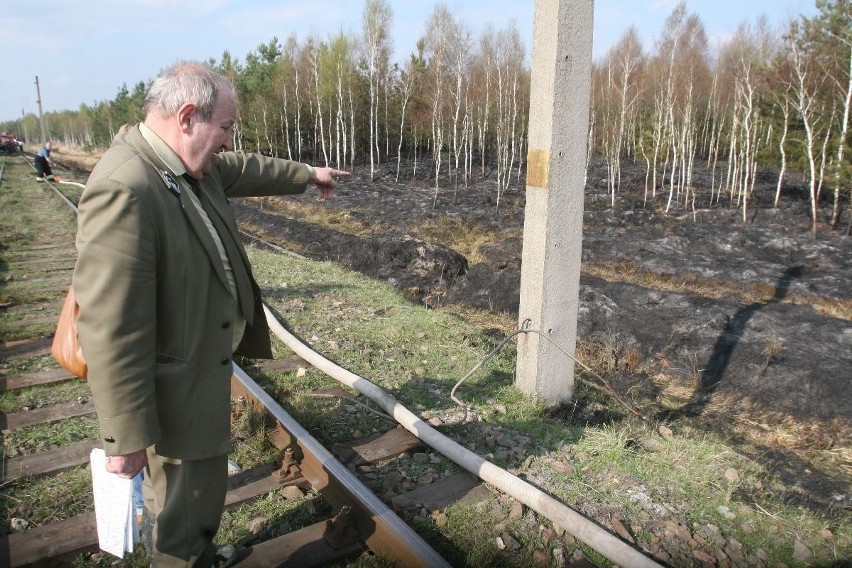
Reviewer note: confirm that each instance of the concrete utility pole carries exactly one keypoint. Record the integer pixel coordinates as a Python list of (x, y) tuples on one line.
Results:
[(553, 226), (40, 115)]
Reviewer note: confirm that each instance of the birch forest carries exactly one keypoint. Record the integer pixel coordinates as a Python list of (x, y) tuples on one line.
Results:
[(454, 112)]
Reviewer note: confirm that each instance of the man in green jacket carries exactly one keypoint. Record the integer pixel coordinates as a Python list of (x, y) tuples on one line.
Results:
[(167, 297)]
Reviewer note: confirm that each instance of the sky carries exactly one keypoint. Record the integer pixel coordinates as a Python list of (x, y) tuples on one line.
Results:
[(83, 51)]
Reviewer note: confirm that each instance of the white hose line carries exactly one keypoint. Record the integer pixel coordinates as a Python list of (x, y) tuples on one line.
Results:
[(69, 182), (563, 516)]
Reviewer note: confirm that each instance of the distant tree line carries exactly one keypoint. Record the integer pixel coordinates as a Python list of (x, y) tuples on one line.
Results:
[(765, 98), (457, 108)]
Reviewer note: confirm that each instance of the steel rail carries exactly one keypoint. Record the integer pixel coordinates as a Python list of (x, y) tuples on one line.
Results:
[(67, 201), (380, 528)]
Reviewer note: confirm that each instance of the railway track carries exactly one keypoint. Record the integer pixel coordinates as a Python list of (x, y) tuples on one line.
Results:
[(348, 522)]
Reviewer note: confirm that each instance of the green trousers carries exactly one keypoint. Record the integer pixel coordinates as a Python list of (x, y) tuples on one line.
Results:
[(185, 499)]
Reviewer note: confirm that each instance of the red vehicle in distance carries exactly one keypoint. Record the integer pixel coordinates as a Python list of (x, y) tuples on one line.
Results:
[(10, 144)]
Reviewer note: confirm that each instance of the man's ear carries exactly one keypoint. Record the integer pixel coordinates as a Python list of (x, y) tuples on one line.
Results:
[(186, 116)]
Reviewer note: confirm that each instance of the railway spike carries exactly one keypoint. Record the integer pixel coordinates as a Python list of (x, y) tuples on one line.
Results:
[(289, 469)]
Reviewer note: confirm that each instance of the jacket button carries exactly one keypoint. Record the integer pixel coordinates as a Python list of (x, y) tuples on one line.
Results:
[(225, 361), (226, 325)]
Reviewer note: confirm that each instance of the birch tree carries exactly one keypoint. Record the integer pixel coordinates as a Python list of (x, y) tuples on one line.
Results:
[(460, 53), (742, 55), (482, 74), (511, 78), (828, 36), (340, 73), (316, 55), (618, 92), (783, 104), (376, 21), (806, 82), (285, 81), (438, 41), (404, 86), (684, 47)]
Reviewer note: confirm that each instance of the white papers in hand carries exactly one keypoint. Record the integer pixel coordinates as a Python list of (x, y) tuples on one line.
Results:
[(116, 521)]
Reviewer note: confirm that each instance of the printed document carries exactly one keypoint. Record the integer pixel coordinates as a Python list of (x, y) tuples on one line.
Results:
[(118, 531)]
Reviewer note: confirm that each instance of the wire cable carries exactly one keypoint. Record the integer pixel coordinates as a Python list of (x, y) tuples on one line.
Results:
[(607, 387)]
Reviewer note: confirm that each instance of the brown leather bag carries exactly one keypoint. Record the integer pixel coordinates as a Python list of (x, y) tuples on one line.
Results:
[(66, 348)]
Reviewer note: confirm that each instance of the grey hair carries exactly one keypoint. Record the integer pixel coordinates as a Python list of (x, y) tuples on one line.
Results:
[(186, 82)]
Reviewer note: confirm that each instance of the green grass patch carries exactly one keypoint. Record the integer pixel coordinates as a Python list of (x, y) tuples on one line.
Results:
[(633, 470), (43, 395), (261, 519), (251, 446), (42, 437), (44, 500), (18, 366), (372, 330)]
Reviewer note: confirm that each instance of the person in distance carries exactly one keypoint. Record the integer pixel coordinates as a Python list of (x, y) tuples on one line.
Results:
[(44, 163), (167, 297)]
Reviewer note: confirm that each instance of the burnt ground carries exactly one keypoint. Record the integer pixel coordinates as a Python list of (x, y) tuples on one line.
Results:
[(709, 314)]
